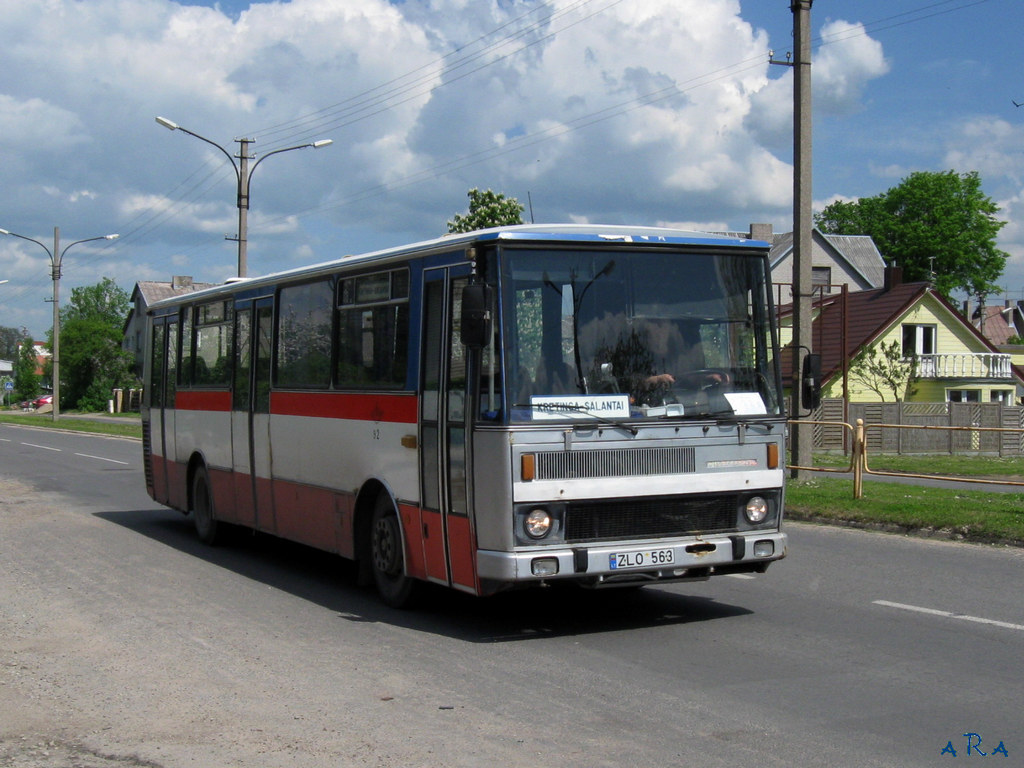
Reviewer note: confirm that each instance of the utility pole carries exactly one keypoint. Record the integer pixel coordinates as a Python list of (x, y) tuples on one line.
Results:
[(243, 176), (243, 206), (803, 224), (56, 262)]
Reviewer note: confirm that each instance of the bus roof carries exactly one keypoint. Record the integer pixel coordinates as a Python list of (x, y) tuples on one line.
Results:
[(520, 233)]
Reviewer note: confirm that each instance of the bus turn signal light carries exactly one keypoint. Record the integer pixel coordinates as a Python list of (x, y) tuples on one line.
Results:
[(773, 455), (528, 467)]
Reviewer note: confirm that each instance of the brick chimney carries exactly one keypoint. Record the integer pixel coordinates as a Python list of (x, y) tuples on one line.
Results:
[(761, 232), (893, 277), (181, 281)]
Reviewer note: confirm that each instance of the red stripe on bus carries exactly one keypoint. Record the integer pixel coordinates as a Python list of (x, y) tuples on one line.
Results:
[(202, 400), (400, 409)]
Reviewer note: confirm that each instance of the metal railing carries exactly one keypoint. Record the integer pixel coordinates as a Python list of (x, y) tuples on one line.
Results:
[(858, 466)]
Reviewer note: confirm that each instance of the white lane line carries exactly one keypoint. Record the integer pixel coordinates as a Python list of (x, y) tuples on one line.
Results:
[(100, 458), (741, 575), (950, 615), (44, 447)]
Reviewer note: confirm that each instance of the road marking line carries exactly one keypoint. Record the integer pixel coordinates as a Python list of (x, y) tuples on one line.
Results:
[(950, 615), (44, 447), (100, 458), (741, 575)]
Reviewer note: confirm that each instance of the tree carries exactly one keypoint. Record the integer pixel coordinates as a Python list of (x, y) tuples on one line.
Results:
[(487, 209), (884, 370), (93, 362), (26, 380), (935, 226), (10, 338)]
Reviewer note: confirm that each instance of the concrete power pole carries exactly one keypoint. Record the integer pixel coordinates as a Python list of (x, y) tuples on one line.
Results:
[(803, 223)]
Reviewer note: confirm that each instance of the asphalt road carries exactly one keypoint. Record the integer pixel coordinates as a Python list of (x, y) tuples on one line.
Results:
[(124, 642)]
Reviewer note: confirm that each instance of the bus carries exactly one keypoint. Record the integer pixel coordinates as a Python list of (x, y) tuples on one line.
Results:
[(510, 407)]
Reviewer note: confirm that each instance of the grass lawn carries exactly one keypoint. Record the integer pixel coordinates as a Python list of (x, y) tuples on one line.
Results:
[(973, 515), (129, 427)]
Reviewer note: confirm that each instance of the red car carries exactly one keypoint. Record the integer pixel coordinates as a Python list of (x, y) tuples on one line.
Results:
[(39, 402)]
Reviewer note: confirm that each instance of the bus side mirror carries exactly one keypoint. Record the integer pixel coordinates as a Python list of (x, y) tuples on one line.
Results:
[(475, 327), (810, 379)]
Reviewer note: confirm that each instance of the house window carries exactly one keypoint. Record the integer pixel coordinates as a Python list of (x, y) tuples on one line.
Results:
[(963, 395), (918, 340), (821, 277), (1004, 396)]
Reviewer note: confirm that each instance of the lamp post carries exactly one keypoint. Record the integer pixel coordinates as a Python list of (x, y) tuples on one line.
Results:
[(243, 174), (56, 260)]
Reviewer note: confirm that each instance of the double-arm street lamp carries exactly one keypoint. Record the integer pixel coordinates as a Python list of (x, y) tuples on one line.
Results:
[(56, 260), (243, 174)]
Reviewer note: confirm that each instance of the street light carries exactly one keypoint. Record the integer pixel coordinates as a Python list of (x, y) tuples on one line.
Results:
[(56, 259), (243, 174)]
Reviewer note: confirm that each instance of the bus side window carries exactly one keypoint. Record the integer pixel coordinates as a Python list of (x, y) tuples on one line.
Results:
[(243, 349)]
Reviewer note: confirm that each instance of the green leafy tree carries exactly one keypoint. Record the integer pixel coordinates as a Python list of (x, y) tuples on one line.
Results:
[(487, 209), (26, 380), (883, 369), (934, 225), (10, 338), (92, 360)]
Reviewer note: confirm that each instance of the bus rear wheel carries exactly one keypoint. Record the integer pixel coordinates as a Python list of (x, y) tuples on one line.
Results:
[(386, 556), (203, 516)]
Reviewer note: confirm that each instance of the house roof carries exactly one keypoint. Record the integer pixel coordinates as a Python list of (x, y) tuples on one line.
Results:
[(153, 290), (999, 324), (862, 254), (869, 315), (150, 291)]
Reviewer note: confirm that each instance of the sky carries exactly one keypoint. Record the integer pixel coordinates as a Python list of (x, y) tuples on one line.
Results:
[(646, 112)]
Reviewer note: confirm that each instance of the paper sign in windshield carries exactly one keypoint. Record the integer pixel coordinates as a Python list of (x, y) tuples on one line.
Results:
[(580, 406), (746, 403)]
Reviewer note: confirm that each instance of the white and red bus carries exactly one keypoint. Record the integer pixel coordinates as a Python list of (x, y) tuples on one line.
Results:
[(504, 408)]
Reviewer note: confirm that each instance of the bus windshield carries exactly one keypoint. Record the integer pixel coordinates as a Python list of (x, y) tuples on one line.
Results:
[(637, 334)]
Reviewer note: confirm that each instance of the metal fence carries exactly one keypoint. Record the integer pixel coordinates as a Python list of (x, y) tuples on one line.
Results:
[(990, 429), (963, 439)]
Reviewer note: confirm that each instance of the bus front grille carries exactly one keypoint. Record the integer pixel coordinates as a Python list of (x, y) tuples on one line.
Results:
[(616, 462), (650, 518)]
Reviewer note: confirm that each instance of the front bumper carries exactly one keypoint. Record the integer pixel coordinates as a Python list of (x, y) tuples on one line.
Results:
[(592, 564)]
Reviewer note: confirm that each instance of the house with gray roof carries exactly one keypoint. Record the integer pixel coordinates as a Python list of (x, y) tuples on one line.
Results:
[(836, 260), (145, 293)]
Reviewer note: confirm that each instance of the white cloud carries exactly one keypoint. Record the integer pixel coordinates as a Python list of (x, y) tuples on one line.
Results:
[(643, 112), (847, 60), (25, 123)]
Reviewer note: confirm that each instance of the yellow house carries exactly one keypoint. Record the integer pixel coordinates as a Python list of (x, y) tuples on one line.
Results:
[(953, 362)]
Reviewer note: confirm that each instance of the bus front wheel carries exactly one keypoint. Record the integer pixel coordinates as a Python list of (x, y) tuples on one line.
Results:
[(387, 558)]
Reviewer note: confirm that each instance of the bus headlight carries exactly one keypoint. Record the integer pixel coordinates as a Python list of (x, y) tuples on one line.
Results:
[(537, 523), (756, 509)]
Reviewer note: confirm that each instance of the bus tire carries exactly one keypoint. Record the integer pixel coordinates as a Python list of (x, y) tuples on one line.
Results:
[(387, 560), (203, 516)]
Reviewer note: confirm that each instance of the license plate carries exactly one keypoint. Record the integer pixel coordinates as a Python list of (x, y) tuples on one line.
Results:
[(645, 558)]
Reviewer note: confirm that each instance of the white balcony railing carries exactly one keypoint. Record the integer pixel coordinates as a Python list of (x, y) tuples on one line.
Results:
[(964, 365)]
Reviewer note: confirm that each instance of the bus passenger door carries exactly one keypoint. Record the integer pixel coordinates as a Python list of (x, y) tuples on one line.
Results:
[(449, 545), (250, 414), (163, 380)]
